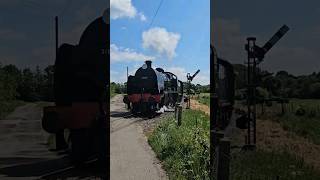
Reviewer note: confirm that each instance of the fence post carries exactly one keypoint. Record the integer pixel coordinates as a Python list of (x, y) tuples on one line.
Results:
[(282, 108), (223, 159), (214, 144), (176, 111), (179, 114)]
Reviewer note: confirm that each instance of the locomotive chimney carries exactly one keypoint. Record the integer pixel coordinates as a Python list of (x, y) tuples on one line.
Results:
[(148, 63)]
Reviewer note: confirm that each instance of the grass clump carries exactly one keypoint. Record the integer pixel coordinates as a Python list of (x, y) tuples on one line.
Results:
[(259, 164), (183, 150), (308, 127)]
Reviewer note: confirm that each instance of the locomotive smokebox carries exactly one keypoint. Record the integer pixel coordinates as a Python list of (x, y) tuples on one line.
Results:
[(148, 63)]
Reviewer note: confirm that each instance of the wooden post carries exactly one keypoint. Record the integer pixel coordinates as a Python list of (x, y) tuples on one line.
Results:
[(179, 114), (176, 111), (223, 159), (214, 144)]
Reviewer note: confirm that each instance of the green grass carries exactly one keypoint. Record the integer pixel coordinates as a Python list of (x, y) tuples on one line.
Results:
[(268, 165), (203, 98), (183, 150), (307, 125), (7, 107)]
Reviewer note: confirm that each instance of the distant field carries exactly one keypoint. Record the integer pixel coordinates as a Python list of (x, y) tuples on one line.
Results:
[(7, 107), (203, 98), (306, 125)]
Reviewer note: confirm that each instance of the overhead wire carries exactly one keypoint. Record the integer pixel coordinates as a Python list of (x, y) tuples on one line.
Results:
[(155, 14)]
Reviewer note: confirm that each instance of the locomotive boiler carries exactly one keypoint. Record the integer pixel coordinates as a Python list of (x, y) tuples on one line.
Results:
[(151, 90)]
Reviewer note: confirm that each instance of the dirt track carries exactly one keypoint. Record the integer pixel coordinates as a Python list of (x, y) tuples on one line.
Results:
[(194, 104), (24, 150), (23, 143), (131, 156)]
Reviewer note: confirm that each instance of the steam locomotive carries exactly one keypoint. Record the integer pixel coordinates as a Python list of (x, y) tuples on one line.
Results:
[(150, 89), (81, 94)]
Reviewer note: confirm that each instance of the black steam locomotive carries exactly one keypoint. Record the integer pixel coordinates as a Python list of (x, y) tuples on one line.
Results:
[(150, 89), (81, 94)]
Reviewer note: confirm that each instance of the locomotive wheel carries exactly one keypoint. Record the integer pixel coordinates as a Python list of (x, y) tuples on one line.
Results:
[(81, 145), (100, 140)]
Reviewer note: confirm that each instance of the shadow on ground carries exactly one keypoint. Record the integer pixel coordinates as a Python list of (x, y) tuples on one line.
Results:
[(44, 169)]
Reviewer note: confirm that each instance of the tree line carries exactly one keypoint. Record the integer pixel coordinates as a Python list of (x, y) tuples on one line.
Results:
[(26, 84), (281, 83), (37, 84)]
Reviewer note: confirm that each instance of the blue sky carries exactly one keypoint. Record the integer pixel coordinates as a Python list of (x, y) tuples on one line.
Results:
[(178, 40), (298, 51), (27, 28)]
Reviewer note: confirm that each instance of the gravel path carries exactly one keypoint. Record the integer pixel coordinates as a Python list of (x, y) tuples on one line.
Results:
[(131, 156), (24, 150)]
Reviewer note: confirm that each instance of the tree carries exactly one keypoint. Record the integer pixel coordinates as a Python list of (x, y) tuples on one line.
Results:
[(27, 86), (10, 77)]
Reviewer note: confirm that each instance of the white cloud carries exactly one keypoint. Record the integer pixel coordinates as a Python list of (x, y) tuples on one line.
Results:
[(119, 54), (124, 9), (142, 17), (202, 78), (121, 9), (162, 41)]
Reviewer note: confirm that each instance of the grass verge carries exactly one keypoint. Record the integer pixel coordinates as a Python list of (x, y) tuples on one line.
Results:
[(7, 107), (184, 153), (270, 165), (183, 150)]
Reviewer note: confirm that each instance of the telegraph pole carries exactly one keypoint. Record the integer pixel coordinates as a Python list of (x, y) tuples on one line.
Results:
[(57, 34), (127, 73)]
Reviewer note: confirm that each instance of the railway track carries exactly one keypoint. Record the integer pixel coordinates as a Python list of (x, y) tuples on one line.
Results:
[(90, 169)]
